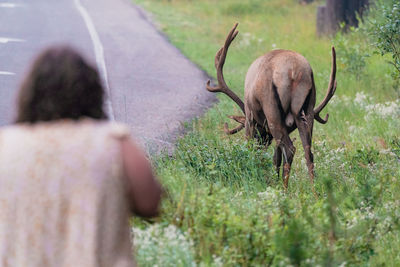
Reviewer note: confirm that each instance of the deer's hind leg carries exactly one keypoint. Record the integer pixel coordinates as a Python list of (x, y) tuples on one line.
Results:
[(288, 151), (278, 159), (285, 148), (305, 124)]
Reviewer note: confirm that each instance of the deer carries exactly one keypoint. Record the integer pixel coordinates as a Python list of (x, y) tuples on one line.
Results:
[(279, 96)]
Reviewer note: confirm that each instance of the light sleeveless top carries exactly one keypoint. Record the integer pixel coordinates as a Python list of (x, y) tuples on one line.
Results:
[(63, 197)]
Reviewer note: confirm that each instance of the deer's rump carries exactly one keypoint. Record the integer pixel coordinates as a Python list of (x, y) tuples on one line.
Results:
[(283, 78)]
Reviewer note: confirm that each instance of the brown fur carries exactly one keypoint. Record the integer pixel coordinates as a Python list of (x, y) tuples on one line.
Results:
[(280, 96)]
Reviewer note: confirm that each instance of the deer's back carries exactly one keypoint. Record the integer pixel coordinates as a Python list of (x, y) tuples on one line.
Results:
[(285, 71)]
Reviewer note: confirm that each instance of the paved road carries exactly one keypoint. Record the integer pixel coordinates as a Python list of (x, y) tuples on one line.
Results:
[(151, 86)]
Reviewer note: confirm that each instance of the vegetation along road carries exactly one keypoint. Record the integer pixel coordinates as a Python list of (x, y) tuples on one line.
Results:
[(226, 205)]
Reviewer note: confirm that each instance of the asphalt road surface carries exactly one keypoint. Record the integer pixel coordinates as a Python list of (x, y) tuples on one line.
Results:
[(150, 85)]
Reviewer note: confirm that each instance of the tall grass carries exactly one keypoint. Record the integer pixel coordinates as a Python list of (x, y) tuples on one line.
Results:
[(223, 192)]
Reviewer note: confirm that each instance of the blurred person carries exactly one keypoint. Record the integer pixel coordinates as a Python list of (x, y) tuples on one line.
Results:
[(69, 179)]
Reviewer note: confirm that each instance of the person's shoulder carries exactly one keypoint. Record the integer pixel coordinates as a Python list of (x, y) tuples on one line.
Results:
[(119, 130), (112, 129), (14, 134), (13, 129)]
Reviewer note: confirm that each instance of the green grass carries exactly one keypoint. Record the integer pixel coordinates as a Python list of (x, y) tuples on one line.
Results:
[(223, 193)]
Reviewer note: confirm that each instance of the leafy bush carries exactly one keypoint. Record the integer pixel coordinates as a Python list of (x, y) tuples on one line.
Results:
[(352, 57), (385, 31)]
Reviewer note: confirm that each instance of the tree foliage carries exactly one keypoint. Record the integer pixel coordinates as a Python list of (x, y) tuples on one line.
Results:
[(385, 32)]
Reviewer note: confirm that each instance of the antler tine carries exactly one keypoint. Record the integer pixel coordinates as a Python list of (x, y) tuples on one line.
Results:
[(224, 50), (329, 93), (239, 119), (219, 64), (234, 130)]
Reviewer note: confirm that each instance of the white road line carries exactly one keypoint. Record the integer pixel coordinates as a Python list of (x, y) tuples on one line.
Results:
[(10, 5), (99, 52), (6, 73), (4, 40)]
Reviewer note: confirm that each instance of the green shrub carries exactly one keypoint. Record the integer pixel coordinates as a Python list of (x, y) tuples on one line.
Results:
[(385, 32), (351, 57)]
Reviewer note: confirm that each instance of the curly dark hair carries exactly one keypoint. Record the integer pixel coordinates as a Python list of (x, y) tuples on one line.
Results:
[(60, 85)]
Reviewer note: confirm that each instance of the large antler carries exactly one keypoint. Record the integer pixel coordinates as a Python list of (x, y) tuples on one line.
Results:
[(329, 93), (219, 64)]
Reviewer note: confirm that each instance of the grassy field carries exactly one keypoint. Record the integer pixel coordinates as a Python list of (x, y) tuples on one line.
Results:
[(225, 205)]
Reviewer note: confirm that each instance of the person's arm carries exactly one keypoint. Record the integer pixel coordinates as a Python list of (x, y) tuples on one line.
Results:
[(144, 190)]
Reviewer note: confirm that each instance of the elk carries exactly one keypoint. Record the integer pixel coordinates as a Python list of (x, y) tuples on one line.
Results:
[(280, 96)]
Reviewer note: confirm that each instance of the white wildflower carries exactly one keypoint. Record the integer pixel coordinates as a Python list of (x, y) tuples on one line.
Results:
[(246, 39), (334, 101), (387, 109), (361, 98), (340, 149), (163, 246), (345, 99), (352, 129), (270, 193), (238, 194), (352, 222), (217, 261), (270, 199), (387, 152)]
